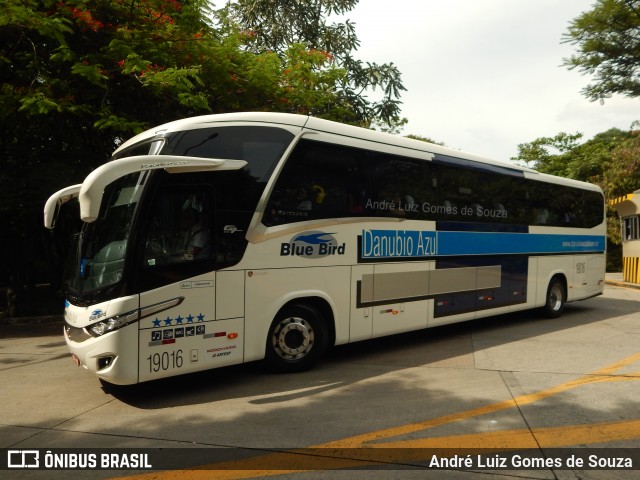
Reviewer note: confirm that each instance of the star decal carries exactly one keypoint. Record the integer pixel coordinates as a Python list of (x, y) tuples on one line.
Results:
[(179, 320)]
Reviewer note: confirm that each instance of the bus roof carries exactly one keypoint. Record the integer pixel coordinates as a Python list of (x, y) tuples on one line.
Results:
[(320, 125)]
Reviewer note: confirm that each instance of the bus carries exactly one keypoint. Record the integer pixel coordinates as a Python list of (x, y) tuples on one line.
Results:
[(243, 237)]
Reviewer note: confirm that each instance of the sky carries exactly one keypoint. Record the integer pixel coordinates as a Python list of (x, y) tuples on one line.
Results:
[(483, 76)]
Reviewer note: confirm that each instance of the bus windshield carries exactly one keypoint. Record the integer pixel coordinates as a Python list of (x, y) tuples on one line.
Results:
[(102, 244)]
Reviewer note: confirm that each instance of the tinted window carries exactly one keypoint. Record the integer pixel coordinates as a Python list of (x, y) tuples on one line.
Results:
[(323, 180), (475, 195), (320, 180), (103, 243), (562, 206), (401, 186), (146, 147), (262, 147), (193, 223)]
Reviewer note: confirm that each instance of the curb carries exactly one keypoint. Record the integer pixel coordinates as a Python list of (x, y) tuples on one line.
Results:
[(617, 283)]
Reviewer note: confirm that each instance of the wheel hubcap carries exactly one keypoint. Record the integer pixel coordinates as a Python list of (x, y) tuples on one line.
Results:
[(293, 338), (555, 297)]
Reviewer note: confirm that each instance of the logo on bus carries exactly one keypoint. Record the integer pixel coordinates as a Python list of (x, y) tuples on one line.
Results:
[(388, 244), (312, 245), (96, 314)]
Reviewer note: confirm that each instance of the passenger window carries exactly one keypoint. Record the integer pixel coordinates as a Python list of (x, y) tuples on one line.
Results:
[(320, 180), (194, 223), (178, 236), (179, 228), (404, 187)]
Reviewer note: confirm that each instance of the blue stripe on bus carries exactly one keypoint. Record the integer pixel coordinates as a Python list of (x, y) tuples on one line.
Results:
[(414, 244), (478, 243)]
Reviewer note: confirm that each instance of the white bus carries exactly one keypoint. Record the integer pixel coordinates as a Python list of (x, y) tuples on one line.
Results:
[(232, 238)]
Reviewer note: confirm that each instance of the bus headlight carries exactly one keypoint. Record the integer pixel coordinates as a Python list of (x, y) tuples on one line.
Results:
[(114, 323)]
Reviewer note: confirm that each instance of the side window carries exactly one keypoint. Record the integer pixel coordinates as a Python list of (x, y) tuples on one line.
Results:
[(457, 194), (403, 187), (179, 228), (541, 212), (262, 147), (630, 228), (465, 194), (320, 180), (590, 208), (177, 236), (562, 206)]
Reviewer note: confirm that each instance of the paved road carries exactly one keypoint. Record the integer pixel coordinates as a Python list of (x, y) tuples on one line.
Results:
[(506, 382)]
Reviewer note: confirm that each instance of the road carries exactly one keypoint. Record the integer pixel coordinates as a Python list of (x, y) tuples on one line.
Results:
[(375, 409)]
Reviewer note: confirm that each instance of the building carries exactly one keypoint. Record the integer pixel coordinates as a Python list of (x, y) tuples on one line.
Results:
[(628, 208)]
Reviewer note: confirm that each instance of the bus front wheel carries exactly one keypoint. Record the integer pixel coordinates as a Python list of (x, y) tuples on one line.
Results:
[(297, 339), (556, 298)]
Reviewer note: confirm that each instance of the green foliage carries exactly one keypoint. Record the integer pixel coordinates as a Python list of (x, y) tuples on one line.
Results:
[(107, 69), (276, 25), (608, 47), (425, 139), (77, 77), (620, 178), (622, 175), (38, 104), (593, 161), (549, 154)]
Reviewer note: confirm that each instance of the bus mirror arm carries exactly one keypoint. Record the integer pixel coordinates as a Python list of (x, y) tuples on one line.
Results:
[(93, 186), (55, 201)]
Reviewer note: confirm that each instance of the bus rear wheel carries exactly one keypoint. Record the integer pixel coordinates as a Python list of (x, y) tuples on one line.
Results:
[(556, 298), (297, 339)]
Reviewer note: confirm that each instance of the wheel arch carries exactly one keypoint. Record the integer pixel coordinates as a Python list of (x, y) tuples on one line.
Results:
[(562, 276), (322, 305), (299, 335), (555, 299)]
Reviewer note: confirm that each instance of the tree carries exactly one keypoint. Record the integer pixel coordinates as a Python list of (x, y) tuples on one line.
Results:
[(272, 25), (92, 72), (548, 154), (79, 76), (592, 161), (608, 41), (622, 175)]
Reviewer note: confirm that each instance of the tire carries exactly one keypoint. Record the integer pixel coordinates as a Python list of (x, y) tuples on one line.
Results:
[(556, 298), (297, 339)]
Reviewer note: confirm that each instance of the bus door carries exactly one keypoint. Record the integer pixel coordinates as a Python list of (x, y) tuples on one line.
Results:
[(193, 313)]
